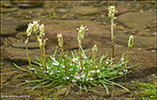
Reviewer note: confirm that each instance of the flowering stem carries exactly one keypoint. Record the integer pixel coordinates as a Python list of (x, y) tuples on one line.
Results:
[(112, 37), (28, 53), (126, 66), (95, 63), (94, 59), (127, 58), (66, 74), (112, 48), (80, 54), (28, 58), (44, 59), (41, 56)]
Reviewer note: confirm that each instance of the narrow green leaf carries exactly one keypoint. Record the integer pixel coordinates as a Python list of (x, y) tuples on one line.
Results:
[(32, 81), (22, 68), (105, 88), (37, 86), (55, 51), (101, 59), (85, 88)]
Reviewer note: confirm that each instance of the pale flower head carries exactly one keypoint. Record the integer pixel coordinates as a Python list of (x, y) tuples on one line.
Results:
[(81, 32), (94, 49), (35, 26), (29, 29), (60, 39), (112, 11), (131, 41), (41, 29), (35, 22)]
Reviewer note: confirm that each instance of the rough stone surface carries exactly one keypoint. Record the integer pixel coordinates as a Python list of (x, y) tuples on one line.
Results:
[(85, 10), (19, 55), (5, 29), (3, 79), (97, 34), (136, 20), (4, 10), (50, 10), (10, 28), (30, 45), (5, 3), (139, 41), (29, 3)]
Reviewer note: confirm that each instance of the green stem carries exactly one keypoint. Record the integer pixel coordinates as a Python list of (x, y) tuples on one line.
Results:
[(41, 61), (127, 58), (28, 60), (95, 63), (80, 54), (126, 66), (28, 53), (112, 49), (65, 65), (44, 59), (112, 37), (94, 59), (126, 81), (43, 65)]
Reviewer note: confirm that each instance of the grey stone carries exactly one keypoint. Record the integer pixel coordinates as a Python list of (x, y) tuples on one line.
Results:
[(139, 41), (4, 10), (28, 3), (31, 45), (96, 34), (85, 10), (8, 29), (136, 20), (19, 55)]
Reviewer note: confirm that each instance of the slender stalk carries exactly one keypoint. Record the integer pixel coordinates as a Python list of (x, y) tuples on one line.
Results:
[(41, 49), (65, 65), (127, 58), (41, 60), (94, 59), (126, 66), (95, 63), (60, 43), (80, 54), (28, 53), (112, 39), (30, 65), (126, 81), (44, 59)]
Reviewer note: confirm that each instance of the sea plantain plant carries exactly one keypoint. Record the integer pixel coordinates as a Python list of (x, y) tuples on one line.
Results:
[(61, 72)]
